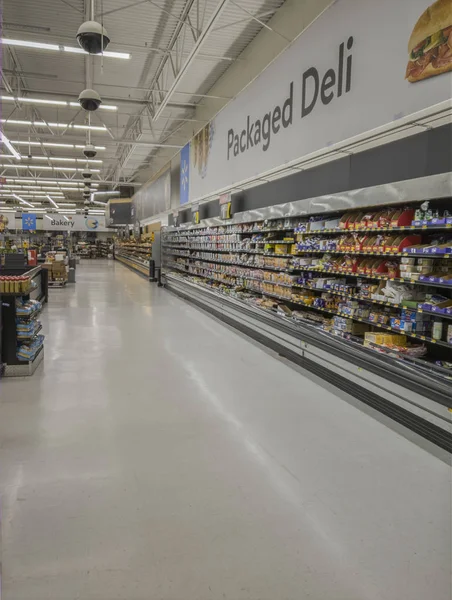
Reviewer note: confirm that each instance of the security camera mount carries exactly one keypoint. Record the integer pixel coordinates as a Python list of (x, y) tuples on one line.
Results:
[(92, 36), (89, 100)]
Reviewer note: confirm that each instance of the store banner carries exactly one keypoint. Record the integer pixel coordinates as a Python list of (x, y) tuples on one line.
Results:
[(361, 65), (184, 174), (74, 223), (28, 222), (153, 198)]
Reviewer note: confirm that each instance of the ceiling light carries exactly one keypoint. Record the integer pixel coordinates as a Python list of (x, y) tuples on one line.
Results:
[(67, 159), (68, 204), (28, 194), (52, 144), (25, 44), (44, 101), (102, 106), (35, 187), (48, 124), (55, 47), (10, 147), (44, 168), (38, 181), (104, 193), (108, 53), (53, 202)]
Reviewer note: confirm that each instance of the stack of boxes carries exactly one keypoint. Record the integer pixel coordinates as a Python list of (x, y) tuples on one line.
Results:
[(411, 321)]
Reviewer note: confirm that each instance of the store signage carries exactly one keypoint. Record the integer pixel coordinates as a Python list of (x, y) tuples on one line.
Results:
[(344, 76), (195, 214), (315, 87), (225, 201), (29, 222), (184, 174), (73, 223)]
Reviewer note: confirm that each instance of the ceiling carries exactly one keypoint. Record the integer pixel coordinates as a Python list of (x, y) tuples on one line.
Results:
[(178, 49)]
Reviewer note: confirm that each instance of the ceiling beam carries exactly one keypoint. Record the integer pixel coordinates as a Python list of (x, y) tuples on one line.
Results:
[(194, 51)]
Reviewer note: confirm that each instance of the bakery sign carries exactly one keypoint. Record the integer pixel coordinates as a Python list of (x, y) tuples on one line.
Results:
[(360, 66), (52, 222)]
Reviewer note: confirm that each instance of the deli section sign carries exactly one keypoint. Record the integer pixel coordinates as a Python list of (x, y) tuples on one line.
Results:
[(361, 65)]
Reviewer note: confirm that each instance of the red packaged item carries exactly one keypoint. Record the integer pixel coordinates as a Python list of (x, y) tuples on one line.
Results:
[(402, 217)]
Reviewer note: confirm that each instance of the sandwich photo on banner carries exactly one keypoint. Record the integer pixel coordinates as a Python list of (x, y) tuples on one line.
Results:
[(430, 45)]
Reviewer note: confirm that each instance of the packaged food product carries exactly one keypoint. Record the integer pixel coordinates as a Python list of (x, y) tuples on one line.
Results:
[(437, 330)]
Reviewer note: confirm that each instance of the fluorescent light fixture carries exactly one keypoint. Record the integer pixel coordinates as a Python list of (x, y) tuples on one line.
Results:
[(52, 201), (47, 217), (45, 168), (49, 124), (28, 100), (10, 147), (21, 200), (53, 145), (68, 204), (58, 48), (38, 181), (26, 44), (68, 159), (38, 188), (108, 53), (101, 107), (104, 193)]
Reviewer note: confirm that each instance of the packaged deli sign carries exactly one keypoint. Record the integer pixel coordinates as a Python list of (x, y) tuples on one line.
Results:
[(315, 87), (360, 66)]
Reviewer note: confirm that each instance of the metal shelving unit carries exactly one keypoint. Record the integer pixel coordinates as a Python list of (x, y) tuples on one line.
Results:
[(232, 255), (11, 339)]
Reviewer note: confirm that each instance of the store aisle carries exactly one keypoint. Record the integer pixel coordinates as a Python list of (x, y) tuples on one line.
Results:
[(159, 455)]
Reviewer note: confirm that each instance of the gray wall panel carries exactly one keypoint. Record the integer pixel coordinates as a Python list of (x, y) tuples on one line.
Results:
[(404, 159)]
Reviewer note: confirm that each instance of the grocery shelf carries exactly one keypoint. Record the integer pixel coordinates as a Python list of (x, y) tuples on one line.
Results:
[(29, 337), (224, 254), (414, 228), (134, 263), (294, 301)]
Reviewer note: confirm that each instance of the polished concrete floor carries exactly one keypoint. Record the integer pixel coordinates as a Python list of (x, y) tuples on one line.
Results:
[(158, 455)]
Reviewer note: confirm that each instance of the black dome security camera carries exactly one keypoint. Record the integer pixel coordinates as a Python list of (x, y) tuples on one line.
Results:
[(89, 151), (92, 37), (86, 174), (87, 203), (89, 100), (87, 186)]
